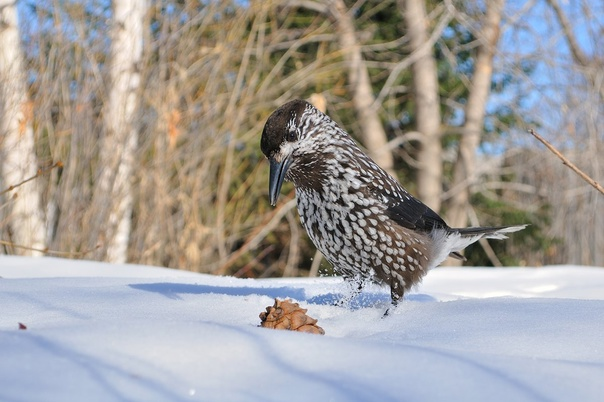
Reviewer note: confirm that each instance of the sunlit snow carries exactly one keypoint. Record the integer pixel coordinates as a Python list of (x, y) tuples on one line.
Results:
[(98, 332)]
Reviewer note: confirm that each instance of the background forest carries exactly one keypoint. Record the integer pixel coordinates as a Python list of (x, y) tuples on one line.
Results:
[(140, 123)]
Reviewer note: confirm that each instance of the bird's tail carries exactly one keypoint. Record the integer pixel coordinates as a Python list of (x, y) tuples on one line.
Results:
[(492, 232), (449, 242)]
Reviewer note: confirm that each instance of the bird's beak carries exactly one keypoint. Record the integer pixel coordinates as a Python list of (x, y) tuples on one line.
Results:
[(277, 174)]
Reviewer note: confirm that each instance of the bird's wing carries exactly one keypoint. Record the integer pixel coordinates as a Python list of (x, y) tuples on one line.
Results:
[(401, 207), (413, 214)]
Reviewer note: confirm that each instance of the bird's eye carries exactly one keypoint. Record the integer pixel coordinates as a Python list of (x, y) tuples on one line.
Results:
[(291, 135)]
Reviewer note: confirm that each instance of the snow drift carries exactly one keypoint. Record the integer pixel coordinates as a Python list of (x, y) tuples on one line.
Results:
[(100, 332)]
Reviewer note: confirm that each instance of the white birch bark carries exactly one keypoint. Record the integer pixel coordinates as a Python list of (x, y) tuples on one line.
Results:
[(23, 213), (118, 152)]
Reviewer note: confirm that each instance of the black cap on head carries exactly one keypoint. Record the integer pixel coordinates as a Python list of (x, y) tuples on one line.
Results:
[(281, 126)]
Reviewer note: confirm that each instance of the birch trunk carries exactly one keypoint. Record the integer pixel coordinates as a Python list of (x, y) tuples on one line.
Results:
[(118, 150), (427, 104), (23, 213), (465, 166)]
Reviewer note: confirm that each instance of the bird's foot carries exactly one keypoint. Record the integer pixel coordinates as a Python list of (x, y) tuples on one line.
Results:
[(390, 309)]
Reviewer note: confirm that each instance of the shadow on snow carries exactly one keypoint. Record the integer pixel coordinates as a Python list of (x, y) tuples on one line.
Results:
[(365, 299)]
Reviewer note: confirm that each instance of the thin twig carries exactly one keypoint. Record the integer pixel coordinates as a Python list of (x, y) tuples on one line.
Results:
[(568, 163), (47, 251), (316, 263), (39, 173), (247, 267), (257, 236), (484, 243)]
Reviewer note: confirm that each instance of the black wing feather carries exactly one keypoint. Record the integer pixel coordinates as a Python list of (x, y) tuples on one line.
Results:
[(413, 214), (404, 209)]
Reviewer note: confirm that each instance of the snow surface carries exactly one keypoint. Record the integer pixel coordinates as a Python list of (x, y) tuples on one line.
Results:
[(99, 332)]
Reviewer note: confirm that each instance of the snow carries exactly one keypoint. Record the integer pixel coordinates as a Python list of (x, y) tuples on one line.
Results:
[(100, 332)]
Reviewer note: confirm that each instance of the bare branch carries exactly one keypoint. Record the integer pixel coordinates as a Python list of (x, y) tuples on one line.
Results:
[(575, 49), (484, 243), (39, 173), (316, 263), (70, 254), (568, 163), (260, 233)]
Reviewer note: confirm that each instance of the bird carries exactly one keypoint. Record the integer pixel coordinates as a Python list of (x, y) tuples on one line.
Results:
[(363, 221)]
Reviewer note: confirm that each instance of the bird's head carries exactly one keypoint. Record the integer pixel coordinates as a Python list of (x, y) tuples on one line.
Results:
[(283, 140)]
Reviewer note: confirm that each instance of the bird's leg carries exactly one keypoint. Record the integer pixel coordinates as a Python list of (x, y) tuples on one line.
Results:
[(393, 306), (396, 294)]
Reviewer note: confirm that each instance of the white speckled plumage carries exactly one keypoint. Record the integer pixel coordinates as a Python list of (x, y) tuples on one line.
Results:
[(362, 220)]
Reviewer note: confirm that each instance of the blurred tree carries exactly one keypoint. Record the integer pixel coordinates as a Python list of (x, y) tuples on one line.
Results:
[(114, 191), (373, 134), (21, 218), (211, 72), (465, 170), (427, 103)]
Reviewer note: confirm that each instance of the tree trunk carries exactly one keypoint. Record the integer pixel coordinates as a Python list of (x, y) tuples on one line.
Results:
[(24, 214), (373, 134), (427, 104), (465, 166), (119, 145)]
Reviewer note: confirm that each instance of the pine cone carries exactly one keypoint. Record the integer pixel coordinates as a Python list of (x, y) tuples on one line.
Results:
[(285, 314)]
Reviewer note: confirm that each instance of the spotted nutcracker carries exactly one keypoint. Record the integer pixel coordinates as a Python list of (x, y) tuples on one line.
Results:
[(362, 220)]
